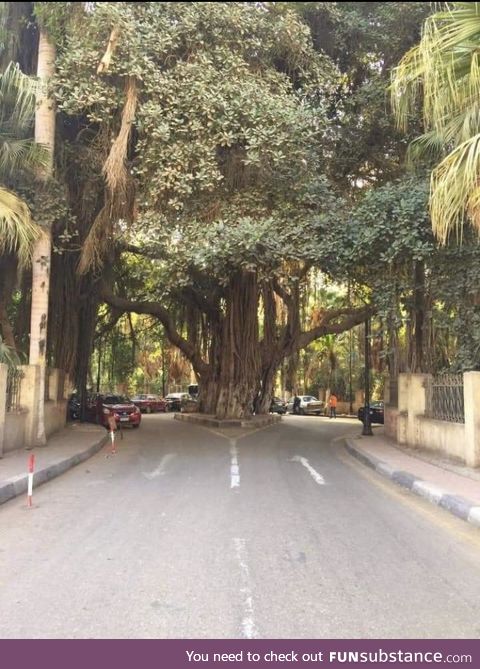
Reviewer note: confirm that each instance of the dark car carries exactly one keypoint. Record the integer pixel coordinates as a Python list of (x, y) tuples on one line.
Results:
[(376, 413), (120, 407), (74, 407), (278, 406)]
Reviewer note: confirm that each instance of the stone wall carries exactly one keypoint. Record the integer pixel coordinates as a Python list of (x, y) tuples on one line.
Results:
[(19, 427), (409, 425)]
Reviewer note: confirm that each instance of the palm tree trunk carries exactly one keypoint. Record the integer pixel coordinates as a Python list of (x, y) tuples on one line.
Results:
[(44, 134)]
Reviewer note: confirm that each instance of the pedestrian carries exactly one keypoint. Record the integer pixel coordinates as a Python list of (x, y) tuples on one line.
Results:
[(332, 403), (296, 404)]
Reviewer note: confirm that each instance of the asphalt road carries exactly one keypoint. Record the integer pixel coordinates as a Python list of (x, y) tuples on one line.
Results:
[(187, 533)]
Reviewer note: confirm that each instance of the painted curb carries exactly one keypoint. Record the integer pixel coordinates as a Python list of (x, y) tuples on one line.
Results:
[(458, 506), (17, 485)]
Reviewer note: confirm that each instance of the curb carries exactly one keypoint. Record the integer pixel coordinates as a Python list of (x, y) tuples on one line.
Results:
[(458, 506), (17, 485), (207, 421)]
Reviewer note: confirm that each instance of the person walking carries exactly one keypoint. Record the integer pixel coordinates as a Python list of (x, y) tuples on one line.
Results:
[(332, 403), (296, 404)]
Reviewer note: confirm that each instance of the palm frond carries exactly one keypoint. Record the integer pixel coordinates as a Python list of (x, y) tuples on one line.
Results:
[(18, 95), (20, 154), (445, 70), (429, 146), (17, 230), (455, 190)]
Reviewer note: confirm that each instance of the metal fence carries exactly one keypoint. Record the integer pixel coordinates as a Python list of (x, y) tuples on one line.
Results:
[(444, 398), (14, 382)]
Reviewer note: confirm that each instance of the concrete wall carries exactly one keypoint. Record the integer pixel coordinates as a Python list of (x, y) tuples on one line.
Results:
[(14, 436), (409, 425), (55, 416), (442, 436), (19, 429)]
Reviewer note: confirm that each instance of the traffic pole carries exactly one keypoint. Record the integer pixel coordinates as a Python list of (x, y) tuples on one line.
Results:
[(112, 426), (31, 466), (112, 437)]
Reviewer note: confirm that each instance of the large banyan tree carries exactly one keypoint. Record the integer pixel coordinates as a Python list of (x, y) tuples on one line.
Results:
[(212, 122)]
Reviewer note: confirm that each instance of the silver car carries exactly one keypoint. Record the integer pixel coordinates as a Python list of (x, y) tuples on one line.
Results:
[(308, 405)]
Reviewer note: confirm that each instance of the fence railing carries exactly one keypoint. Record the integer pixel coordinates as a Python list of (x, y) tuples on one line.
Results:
[(14, 382), (444, 398)]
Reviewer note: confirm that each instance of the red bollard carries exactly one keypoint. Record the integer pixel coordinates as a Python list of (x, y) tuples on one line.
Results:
[(112, 437), (31, 465), (112, 424)]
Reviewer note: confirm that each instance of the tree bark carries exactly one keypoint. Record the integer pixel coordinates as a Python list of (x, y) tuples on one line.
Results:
[(45, 135), (240, 355), (418, 363)]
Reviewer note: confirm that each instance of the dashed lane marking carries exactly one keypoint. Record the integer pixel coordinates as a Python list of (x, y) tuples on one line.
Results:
[(249, 629), (234, 466)]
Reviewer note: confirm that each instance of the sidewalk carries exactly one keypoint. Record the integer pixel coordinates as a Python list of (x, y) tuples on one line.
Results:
[(64, 450), (445, 483)]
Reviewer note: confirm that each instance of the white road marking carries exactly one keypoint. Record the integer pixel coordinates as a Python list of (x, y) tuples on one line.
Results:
[(249, 628), (160, 470), (234, 467), (318, 478)]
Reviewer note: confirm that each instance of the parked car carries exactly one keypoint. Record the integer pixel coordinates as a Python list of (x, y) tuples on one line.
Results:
[(278, 406), (149, 403), (174, 401), (377, 413), (308, 405), (123, 410), (189, 404)]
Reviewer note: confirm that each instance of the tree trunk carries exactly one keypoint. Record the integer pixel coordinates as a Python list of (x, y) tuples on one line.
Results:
[(240, 351), (44, 134), (270, 351), (419, 317)]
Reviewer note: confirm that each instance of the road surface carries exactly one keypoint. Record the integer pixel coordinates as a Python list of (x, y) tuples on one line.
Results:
[(188, 533)]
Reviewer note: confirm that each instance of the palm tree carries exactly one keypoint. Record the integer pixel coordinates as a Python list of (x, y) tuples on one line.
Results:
[(445, 68), (18, 153), (44, 136)]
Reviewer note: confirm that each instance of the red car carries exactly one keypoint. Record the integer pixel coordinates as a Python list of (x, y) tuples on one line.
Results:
[(149, 403), (123, 409)]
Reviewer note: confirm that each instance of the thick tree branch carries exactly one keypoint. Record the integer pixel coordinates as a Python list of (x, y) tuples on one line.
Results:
[(329, 326), (201, 302), (156, 309)]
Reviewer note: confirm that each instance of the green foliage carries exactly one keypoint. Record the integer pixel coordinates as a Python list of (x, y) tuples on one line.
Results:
[(229, 128), (54, 18), (365, 40), (19, 156), (8, 355), (443, 72)]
